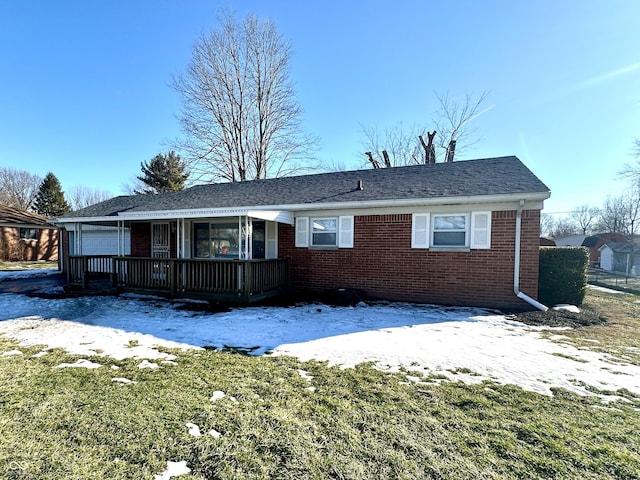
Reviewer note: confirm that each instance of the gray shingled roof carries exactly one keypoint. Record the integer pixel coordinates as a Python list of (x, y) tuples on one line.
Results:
[(492, 176)]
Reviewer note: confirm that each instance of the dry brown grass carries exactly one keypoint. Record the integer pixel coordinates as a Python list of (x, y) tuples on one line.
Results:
[(619, 335)]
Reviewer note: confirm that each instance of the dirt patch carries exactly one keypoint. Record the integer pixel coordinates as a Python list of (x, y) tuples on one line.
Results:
[(554, 318)]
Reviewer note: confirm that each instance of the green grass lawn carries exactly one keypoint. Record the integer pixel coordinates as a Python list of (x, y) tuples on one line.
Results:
[(360, 423), (17, 266)]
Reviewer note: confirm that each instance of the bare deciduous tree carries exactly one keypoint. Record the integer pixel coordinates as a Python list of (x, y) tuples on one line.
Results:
[(81, 197), (585, 217), (18, 188), (632, 170), (563, 227), (399, 144), (453, 134), (613, 216), (546, 224), (239, 112)]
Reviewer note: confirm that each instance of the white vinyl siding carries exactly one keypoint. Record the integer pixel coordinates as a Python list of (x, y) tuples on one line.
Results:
[(324, 232)]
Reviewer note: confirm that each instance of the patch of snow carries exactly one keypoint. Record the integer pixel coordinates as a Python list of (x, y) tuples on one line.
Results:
[(431, 340), (564, 307), (37, 272), (194, 430), (605, 289), (214, 433), (305, 375), (174, 469), (11, 353), (147, 364), (81, 363), (217, 395), (122, 380)]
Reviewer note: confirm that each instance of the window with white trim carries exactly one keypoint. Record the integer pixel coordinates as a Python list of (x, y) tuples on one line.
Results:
[(451, 230), (325, 232)]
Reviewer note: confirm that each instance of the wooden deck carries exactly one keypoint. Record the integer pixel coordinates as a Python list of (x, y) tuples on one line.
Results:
[(237, 281)]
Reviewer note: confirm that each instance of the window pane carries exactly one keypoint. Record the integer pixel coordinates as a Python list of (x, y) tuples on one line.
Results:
[(449, 222), (449, 239), (325, 224), (28, 234), (224, 240), (202, 239), (325, 239)]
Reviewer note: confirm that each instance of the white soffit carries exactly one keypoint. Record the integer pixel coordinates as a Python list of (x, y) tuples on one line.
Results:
[(279, 216)]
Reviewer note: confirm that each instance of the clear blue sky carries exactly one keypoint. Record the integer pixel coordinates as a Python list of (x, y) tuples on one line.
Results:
[(84, 85)]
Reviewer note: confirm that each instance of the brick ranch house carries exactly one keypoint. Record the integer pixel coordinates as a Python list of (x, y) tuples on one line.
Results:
[(463, 233), (26, 236)]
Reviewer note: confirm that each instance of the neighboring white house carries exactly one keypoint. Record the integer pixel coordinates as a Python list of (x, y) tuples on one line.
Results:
[(620, 257)]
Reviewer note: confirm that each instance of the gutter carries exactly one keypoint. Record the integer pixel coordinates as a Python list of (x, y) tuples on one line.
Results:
[(516, 266)]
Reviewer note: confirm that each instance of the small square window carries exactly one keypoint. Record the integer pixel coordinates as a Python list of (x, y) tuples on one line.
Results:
[(28, 234), (449, 231), (324, 232)]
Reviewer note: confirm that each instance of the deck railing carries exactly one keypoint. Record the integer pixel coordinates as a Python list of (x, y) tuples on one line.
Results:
[(234, 280)]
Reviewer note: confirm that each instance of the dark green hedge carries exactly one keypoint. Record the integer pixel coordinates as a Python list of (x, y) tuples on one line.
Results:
[(563, 275)]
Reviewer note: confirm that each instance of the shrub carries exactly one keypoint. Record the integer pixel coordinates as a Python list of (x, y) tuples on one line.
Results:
[(563, 275)]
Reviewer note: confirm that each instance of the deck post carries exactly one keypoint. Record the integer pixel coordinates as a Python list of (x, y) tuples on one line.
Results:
[(172, 278), (114, 274), (247, 283), (84, 272)]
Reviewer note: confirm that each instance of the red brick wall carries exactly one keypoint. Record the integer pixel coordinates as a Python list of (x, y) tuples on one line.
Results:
[(12, 248), (140, 239), (383, 265)]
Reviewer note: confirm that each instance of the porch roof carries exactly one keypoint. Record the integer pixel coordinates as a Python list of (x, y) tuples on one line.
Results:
[(495, 179)]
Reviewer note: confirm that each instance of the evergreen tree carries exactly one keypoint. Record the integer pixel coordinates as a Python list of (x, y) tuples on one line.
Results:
[(50, 200), (163, 173)]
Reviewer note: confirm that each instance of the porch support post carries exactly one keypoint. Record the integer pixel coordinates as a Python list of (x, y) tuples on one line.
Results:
[(120, 235), (247, 245), (77, 240)]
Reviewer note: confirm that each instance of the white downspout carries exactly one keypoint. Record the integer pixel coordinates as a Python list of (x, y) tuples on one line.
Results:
[(516, 264)]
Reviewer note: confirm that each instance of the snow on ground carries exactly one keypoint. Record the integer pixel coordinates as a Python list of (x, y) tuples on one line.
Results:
[(605, 289), (428, 339), (40, 272)]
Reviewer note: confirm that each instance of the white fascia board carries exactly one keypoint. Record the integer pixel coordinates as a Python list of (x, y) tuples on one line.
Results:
[(65, 220), (414, 202), (281, 216)]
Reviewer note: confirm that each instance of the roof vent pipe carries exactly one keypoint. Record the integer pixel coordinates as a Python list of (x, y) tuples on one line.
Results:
[(360, 185)]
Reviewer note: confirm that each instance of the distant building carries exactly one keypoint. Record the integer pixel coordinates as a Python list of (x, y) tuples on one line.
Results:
[(26, 236)]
